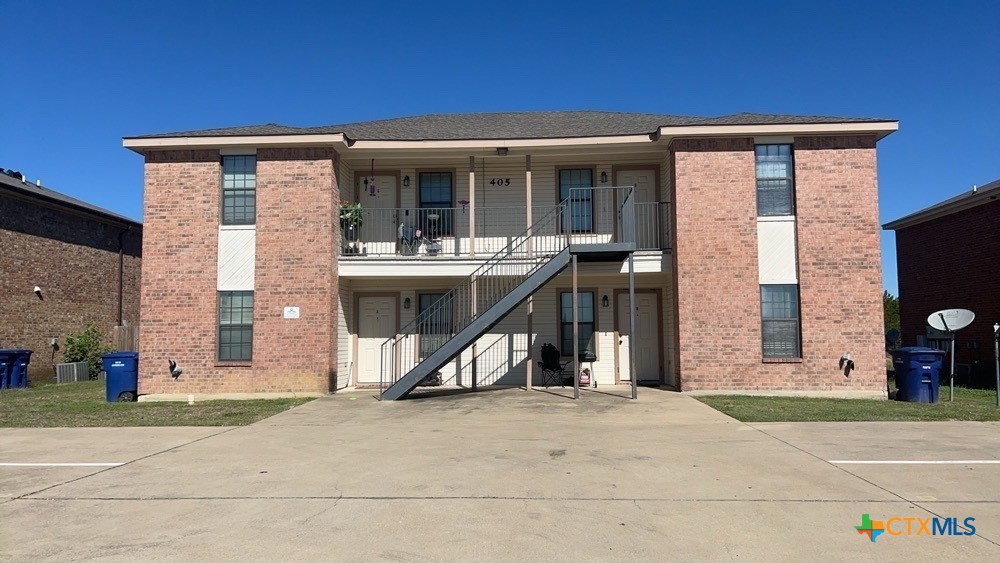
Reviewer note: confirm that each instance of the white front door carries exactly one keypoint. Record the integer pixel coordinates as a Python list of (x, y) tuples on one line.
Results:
[(646, 340), (376, 323), (381, 217), (647, 210)]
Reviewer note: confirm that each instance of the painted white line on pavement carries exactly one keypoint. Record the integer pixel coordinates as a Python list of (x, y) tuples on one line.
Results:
[(916, 462), (61, 464)]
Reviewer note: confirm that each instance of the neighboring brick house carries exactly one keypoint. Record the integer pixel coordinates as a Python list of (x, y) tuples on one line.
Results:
[(86, 261), (948, 257), (755, 252)]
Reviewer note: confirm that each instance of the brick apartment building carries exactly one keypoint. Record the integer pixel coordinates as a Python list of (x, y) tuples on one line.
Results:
[(288, 259), (948, 257), (84, 259)]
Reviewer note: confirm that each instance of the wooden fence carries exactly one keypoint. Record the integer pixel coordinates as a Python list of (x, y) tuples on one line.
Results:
[(125, 338)]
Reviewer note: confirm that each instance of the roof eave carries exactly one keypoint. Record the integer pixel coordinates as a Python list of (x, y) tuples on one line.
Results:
[(975, 199), (879, 128), (142, 144), (104, 216)]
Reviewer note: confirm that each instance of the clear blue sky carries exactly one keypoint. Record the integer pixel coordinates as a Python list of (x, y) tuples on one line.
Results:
[(78, 76)]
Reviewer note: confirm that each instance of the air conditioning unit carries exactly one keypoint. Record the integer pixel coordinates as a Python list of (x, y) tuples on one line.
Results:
[(68, 373)]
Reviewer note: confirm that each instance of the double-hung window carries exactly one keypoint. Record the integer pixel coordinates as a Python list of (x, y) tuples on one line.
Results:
[(436, 202), (579, 216), (434, 324), (235, 326), (775, 180), (779, 306), (239, 190), (585, 322)]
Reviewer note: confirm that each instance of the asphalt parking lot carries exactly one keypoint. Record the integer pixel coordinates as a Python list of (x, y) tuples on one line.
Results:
[(500, 475)]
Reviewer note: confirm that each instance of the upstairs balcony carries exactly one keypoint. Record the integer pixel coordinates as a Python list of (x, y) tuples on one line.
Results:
[(442, 233)]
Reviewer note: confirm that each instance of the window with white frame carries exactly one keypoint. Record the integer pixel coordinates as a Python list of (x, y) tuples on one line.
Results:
[(239, 190), (775, 180), (235, 326), (586, 322), (579, 217), (436, 199), (780, 323)]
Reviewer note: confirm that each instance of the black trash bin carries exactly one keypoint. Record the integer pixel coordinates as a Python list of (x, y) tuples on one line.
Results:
[(14, 368), (122, 382), (918, 373)]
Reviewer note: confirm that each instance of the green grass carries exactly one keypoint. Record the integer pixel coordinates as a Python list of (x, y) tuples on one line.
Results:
[(970, 404), (83, 404)]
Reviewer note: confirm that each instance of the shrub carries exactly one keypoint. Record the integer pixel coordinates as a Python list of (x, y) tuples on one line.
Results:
[(86, 346)]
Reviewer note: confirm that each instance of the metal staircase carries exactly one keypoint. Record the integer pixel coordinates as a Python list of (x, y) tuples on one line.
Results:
[(529, 261)]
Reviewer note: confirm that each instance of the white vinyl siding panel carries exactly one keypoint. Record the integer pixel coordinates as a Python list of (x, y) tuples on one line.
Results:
[(666, 179), (500, 208), (345, 181), (502, 353), (345, 310), (776, 252), (237, 252)]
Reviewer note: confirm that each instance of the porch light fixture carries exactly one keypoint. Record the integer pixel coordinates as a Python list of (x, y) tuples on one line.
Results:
[(406, 303), (406, 181), (501, 151), (604, 301), (604, 177)]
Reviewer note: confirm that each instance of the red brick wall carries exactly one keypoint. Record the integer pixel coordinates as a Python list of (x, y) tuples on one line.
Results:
[(298, 203), (74, 259), (952, 262), (718, 293), (178, 309), (297, 198)]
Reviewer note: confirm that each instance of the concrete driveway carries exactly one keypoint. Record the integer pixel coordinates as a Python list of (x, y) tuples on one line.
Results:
[(499, 475)]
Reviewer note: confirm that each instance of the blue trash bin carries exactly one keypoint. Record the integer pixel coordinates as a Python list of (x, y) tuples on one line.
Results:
[(122, 382), (6, 362), (14, 368), (918, 373)]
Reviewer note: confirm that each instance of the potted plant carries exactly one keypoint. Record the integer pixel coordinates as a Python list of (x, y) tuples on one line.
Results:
[(351, 219)]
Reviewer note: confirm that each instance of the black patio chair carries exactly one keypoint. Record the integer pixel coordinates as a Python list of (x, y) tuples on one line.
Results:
[(409, 239), (554, 370)]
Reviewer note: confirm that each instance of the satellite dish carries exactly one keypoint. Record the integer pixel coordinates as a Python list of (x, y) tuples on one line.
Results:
[(951, 319)]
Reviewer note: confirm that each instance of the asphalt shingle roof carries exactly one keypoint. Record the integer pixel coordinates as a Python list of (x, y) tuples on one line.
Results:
[(41, 192), (970, 198), (512, 125)]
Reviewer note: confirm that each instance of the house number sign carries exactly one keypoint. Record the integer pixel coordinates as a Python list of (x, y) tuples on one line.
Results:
[(500, 182)]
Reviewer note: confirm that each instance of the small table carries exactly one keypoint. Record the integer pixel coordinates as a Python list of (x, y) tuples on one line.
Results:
[(433, 246)]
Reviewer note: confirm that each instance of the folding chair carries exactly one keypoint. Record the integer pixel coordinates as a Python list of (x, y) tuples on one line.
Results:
[(554, 371), (409, 239)]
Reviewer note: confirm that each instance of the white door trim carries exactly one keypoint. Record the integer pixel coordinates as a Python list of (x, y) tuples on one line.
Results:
[(356, 325)]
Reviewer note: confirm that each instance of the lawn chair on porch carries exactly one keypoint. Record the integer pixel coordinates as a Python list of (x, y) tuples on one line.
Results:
[(554, 370), (409, 239)]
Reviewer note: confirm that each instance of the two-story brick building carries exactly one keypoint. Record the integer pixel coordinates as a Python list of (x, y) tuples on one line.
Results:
[(84, 260), (948, 257), (282, 258)]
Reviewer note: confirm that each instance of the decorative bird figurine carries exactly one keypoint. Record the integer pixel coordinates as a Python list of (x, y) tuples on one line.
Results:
[(175, 371), (846, 364)]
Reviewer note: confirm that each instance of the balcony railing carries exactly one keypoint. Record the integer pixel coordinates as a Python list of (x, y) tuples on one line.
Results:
[(407, 232)]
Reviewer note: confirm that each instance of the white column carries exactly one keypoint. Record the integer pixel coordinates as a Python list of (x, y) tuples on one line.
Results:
[(472, 205), (527, 200)]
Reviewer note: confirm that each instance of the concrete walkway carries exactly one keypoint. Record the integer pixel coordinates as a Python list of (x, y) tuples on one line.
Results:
[(499, 475)]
